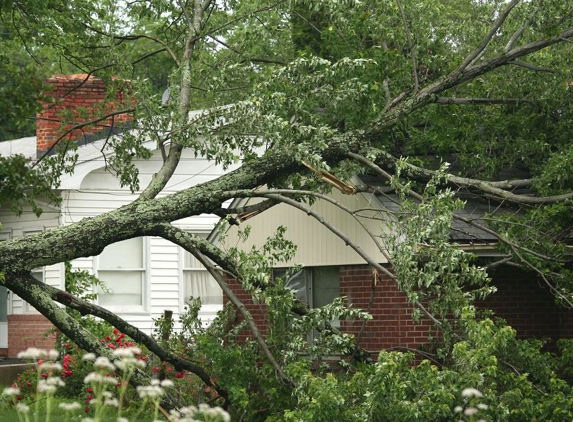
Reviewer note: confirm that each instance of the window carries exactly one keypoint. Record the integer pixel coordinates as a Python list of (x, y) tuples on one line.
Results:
[(121, 266), (197, 282), (316, 286)]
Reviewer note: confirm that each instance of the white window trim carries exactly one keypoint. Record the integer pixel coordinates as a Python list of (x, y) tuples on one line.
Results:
[(145, 288), (209, 311)]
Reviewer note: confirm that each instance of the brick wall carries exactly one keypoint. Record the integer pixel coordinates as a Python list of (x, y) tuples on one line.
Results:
[(522, 300), (391, 326), (526, 303), (84, 98), (257, 310), (28, 331)]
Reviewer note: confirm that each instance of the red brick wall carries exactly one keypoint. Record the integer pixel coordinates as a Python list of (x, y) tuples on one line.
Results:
[(257, 310), (522, 300), (391, 326), (83, 96), (526, 303), (28, 331)]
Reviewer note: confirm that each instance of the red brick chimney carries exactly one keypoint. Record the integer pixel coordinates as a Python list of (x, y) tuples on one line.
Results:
[(78, 98)]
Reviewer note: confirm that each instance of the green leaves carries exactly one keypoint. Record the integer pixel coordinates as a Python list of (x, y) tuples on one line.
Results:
[(21, 186)]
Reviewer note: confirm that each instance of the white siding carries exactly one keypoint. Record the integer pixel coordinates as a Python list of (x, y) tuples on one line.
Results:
[(100, 192), (25, 224), (317, 245)]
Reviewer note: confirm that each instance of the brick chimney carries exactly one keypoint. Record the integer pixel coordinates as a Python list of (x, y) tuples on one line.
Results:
[(76, 99)]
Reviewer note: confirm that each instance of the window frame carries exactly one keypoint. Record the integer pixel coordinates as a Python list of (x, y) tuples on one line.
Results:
[(210, 309), (309, 280), (144, 308)]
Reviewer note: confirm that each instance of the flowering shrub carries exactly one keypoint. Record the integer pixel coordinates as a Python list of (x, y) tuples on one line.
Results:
[(105, 388)]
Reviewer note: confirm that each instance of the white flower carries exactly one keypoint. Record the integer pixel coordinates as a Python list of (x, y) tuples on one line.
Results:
[(122, 420), (127, 352), (87, 420), (32, 353), (111, 402), (103, 363), (482, 406), (203, 407), (167, 383), (11, 391), (70, 407), (471, 392), (155, 381), (214, 413), (44, 387), (53, 354), (188, 410), (470, 411), (56, 381), (151, 391), (458, 409), (94, 377), (89, 357), (22, 408), (51, 366), (126, 363)]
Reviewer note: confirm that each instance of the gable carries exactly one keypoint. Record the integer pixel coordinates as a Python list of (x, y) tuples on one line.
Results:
[(317, 245)]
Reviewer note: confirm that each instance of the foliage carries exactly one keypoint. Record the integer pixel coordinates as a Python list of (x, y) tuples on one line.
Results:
[(102, 403), (389, 90)]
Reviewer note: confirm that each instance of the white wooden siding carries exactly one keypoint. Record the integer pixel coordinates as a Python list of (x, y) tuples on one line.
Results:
[(26, 223), (101, 192)]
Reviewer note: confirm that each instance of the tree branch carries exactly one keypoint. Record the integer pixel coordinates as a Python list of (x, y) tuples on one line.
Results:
[(410, 47), (491, 189), (309, 211), (479, 101), (78, 127), (531, 66), (495, 27), (188, 242), (31, 289), (43, 298)]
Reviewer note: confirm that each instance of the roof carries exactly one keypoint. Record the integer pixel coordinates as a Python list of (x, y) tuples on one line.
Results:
[(90, 157), (475, 210), (24, 146)]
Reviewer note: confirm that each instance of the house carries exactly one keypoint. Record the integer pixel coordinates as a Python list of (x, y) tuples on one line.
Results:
[(155, 274), (332, 268)]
